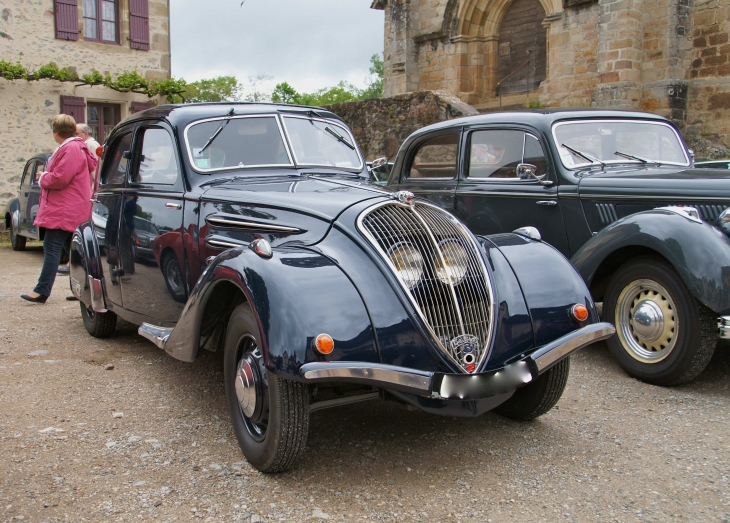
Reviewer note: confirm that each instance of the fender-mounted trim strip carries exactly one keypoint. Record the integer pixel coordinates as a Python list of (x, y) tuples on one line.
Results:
[(723, 323)]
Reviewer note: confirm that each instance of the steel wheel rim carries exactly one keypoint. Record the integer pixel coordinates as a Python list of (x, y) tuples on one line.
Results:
[(647, 321), (251, 388), (175, 276)]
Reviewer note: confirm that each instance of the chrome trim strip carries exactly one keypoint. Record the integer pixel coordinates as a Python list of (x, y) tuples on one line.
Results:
[(326, 404), (588, 197), (504, 194), (97, 294), (157, 335), (723, 324), (214, 220), (548, 355), (388, 376), (217, 243)]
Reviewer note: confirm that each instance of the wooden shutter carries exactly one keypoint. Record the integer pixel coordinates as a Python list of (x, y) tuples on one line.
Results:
[(75, 106), (140, 106), (67, 19), (139, 24)]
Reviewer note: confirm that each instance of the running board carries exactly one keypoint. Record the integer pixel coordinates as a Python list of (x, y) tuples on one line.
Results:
[(157, 335)]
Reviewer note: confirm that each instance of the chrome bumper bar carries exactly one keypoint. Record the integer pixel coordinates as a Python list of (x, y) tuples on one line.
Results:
[(723, 324), (457, 386)]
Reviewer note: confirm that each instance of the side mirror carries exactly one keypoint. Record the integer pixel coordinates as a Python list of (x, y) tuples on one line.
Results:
[(527, 171), (127, 155), (378, 162)]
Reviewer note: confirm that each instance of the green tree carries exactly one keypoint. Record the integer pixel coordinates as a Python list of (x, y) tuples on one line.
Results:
[(284, 93), (375, 86), (219, 89)]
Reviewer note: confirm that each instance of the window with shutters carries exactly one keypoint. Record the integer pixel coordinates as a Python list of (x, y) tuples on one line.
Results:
[(66, 14), (139, 24), (102, 118), (101, 21), (74, 106)]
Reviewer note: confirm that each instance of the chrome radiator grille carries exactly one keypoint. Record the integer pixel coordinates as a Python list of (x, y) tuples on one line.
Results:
[(458, 313)]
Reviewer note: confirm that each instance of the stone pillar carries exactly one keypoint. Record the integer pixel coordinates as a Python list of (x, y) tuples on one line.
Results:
[(401, 64)]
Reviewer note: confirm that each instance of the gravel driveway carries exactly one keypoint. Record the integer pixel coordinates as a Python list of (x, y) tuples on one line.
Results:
[(150, 440)]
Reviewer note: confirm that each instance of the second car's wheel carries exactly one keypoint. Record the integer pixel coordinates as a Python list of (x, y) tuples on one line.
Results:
[(663, 335), (16, 241), (538, 397), (98, 324), (174, 277), (270, 415)]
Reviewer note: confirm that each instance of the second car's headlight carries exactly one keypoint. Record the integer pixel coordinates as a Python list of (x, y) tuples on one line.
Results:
[(408, 263), (454, 265)]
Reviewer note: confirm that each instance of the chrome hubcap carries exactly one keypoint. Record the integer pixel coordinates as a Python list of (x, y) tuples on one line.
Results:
[(246, 387), (647, 324)]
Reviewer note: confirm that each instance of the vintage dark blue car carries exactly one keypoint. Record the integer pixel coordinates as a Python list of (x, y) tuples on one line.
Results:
[(20, 212), (270, 244), (616, 192)]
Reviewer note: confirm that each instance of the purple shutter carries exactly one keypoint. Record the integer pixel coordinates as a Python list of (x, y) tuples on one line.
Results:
[(75, 106), (139, 24), (67, 19), (140, 106)]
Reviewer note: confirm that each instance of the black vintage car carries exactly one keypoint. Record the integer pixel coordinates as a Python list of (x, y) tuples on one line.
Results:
[(21, 211), (616, 192), (320, 288)]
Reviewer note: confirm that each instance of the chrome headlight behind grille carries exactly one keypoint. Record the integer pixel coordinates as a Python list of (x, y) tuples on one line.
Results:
[(452, 265), (408, 263)]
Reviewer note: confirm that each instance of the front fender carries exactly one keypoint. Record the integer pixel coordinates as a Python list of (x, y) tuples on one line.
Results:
[(296, 295), (699, 252), (85, 263), (11, 208)]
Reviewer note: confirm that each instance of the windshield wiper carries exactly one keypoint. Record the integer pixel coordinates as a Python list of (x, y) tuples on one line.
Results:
[(638, 158), (216, 133), (339, 137), (583, 155)]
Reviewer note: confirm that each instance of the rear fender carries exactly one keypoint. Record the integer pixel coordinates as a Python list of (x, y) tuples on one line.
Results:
[(11, 209), (295, 295), (85, 268), (699, 252)]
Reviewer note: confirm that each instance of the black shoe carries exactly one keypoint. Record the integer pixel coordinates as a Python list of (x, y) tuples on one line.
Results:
[(37, 299), (64, 270)]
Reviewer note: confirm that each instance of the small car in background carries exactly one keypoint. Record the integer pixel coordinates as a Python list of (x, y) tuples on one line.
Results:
[(320, 288), (20, 212), (616, 192)]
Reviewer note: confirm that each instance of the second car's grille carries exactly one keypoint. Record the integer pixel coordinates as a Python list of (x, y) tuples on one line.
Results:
[(458, 313)]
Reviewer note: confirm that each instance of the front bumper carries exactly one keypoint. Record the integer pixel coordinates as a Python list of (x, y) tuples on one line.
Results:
[(723, 323), (458, 386)]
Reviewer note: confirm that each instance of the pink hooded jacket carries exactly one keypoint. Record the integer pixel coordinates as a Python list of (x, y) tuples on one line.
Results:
[(66, 187)]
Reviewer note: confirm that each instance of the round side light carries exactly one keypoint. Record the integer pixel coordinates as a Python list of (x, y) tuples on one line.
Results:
[(579, 312), (324, 344)]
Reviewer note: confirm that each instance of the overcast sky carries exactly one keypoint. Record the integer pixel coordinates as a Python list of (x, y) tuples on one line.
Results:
[(308, 43)]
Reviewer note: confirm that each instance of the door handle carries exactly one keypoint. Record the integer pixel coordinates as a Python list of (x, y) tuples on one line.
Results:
[(93, 200), (549, 203), (170, 205)]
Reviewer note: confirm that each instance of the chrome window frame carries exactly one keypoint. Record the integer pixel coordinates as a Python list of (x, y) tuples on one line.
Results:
[(417, 148), (624, 161), (328, 122), (507, 180), (275, 116)]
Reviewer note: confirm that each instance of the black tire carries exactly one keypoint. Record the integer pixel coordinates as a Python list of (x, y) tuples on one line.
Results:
[(98, 324), (537, 398), (16, 241), (174, 278), (688, 329), (273, 436)]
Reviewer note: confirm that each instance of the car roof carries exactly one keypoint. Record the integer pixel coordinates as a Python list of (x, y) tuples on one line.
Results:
[(542, 118), (182, 114)]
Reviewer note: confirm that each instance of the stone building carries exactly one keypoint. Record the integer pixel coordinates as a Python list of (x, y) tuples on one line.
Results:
[(111, 36), (671, 57)]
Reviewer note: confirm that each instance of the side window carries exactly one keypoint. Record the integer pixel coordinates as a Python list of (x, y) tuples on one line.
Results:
[(436, 158), (496, 154), (40, 166), (27, 174), (116, 161), (157, 164)]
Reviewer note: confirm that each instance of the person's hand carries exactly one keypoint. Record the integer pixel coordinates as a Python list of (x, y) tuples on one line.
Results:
[(41, 176)]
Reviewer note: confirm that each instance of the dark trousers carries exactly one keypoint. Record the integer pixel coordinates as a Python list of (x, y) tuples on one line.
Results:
[(53, 242)]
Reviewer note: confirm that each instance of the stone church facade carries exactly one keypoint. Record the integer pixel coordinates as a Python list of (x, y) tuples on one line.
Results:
[(670, 57)]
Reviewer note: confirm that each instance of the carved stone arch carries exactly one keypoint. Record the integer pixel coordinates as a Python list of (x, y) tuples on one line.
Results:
[(481, 18), (450, 25)]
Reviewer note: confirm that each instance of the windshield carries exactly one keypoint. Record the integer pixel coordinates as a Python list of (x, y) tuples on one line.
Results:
[(235, 142), (595, 142), (321, 142)]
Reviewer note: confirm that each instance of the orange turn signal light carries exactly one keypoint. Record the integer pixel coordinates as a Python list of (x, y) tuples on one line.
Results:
[(324, 344), (579, 312), (99, 150)]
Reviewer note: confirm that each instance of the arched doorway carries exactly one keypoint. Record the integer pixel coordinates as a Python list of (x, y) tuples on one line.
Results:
[(522, 38)]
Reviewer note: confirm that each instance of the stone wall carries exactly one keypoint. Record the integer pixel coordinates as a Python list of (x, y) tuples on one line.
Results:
[(381, 125), (27, 36)]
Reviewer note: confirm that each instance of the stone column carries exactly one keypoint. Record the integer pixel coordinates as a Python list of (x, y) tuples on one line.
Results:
[(401, 65)]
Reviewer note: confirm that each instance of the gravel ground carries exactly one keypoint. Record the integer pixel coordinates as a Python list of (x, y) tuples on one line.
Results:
[(150, 440)]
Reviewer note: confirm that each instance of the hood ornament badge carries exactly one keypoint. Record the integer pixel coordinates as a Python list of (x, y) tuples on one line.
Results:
[(466, 350), (404, 197)]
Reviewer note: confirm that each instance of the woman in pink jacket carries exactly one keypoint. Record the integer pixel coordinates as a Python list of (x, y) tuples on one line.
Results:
[(65, 195)]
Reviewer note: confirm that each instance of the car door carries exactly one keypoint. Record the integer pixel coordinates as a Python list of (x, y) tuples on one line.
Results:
[(153, 282), (492, 198), (33, 193), (107, 209), (23, 194), (430, 168)]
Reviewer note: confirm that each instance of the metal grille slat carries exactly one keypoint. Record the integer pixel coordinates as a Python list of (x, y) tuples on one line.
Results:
[(454, 310)]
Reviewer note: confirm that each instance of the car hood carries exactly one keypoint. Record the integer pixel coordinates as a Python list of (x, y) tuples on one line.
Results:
[(666, 181), (324, 197)]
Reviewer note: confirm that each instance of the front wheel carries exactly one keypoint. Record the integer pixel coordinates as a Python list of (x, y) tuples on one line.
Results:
[(663, 335), (98, 324), (16, 241), (538, 397), (270, 415)]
